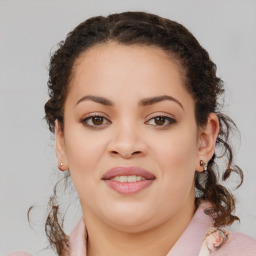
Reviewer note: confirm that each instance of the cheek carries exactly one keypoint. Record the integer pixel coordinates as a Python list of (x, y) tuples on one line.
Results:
[(84, 155), (84, 152), (178, 151), (176, 158)]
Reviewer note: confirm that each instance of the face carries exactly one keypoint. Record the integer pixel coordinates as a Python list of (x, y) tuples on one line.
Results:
[(130, 138)]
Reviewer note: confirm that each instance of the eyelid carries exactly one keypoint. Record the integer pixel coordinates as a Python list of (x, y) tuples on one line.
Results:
[(91, 115), (161, 114), (171, 119)]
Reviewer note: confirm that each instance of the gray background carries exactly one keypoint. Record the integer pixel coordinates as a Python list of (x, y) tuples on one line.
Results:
[(29, 30)]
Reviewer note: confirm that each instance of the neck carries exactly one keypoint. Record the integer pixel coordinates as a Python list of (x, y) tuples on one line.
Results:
[(104, 240)]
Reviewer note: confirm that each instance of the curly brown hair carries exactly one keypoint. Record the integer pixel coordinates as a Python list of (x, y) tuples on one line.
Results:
[(199, 74)]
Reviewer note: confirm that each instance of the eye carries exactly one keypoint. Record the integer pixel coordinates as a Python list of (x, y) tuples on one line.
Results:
[(161, 121), (95, 121)]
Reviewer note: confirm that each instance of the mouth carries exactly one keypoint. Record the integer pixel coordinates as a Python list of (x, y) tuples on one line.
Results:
[(128, 180)]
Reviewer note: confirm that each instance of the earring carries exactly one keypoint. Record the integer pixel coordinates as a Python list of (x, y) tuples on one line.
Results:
[(60, 168), (202, 163)]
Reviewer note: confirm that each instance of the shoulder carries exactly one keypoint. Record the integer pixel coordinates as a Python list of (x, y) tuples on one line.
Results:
[(238, 244), (19, 253)]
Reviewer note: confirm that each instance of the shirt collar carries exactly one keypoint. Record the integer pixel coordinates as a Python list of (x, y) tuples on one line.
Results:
[(191, 240)]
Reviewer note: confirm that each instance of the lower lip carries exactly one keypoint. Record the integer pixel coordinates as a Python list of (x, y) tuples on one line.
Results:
[(128, 188)]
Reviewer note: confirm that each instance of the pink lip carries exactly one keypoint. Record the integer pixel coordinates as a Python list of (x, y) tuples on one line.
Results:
[(128, 187)]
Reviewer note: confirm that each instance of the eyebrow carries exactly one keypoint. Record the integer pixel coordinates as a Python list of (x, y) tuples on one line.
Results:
[(153, 100), (143, 102), (96, 99)]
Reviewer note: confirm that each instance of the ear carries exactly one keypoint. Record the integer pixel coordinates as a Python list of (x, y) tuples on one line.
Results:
[(206, 141), (60, 147)]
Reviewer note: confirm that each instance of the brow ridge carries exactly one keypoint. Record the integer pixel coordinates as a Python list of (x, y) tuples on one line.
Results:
[(154, 100), (96, 99), (143, 102)]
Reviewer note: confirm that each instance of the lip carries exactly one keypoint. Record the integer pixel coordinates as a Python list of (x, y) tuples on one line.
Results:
[(127, 188), (126, 171)]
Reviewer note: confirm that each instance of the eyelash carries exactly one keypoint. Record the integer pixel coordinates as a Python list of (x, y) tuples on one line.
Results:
[(166, 118), (93, 126), (107, 122)]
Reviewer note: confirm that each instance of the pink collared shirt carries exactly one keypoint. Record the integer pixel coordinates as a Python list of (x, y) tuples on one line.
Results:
[(198, 239)]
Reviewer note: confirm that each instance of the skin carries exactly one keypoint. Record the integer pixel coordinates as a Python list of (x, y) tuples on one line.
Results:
[(148, 222)]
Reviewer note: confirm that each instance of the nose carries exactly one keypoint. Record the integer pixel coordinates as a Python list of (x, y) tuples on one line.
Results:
[(127, 142)]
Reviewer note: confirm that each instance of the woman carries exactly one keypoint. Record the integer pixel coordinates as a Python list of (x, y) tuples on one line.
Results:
[(133, 105)]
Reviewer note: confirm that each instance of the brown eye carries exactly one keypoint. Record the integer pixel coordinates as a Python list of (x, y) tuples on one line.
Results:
[(161, 121), (95, 121)]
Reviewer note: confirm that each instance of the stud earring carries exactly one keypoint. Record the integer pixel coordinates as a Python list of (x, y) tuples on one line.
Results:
[(202, 163), (60, 168)]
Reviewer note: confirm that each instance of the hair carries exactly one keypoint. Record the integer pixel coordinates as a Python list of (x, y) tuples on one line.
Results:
[(200, 80)]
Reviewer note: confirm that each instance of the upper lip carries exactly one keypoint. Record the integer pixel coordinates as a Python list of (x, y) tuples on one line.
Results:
[(127, 171)]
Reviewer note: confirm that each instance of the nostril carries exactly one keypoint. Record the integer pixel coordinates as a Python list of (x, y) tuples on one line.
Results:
[(125, 154), (136, 153)]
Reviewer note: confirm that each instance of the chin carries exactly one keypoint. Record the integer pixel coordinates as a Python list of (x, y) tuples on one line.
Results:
[(129, 217)]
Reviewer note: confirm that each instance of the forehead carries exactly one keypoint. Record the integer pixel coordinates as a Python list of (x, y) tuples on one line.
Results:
[(114, 53), (110, 68)]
